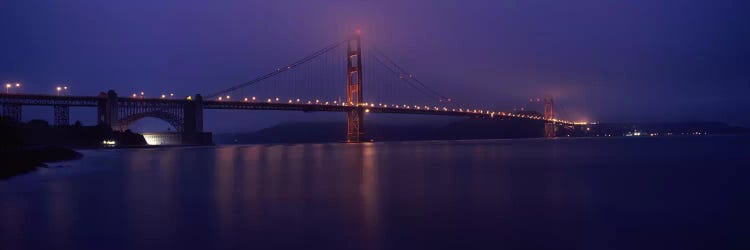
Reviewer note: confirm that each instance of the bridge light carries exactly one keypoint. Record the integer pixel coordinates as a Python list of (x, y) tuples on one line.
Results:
[(219, 98), (326, 103), (277, 99), (189, 98), (142, 93), (297, 99), (290, 100), (367, 110), (170, 94), (163, 96), (228, 97), (244, 99), (269, 99), (253, 98)]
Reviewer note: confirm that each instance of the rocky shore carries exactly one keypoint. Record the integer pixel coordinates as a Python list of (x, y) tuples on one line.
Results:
[(24, 160)]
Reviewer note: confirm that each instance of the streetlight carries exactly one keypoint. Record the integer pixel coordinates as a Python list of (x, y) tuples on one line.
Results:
[(61, 90), (11, 85)]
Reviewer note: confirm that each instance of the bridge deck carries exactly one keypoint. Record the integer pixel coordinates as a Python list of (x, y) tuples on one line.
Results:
[(315, 107), (92, 101), (49, 100)]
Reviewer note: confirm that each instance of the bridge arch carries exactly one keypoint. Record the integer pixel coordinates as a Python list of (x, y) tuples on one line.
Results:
[(175, 120)]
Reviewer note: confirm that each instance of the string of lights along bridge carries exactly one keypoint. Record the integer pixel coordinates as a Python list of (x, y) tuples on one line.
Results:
[(335, 78)]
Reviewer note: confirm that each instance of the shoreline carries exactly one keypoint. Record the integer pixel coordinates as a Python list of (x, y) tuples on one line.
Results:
[(23, 160)]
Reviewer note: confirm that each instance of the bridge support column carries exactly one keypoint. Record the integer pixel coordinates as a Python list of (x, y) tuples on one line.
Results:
[(193, 115), (13, 111), (192, 133), (355, 116), (62, 115), (108, 111), (549, 114)]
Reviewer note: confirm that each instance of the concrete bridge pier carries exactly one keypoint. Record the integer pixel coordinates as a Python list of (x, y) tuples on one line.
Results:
[(193, 123), (107, 112)]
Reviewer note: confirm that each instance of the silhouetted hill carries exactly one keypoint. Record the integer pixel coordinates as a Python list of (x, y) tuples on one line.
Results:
[(26, 146), (39, 132), (666, 128), (301, 132), (308, 132)]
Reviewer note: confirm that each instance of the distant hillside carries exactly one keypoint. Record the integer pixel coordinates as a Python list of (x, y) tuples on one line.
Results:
[(309, 132), (301, 132), (667, 128)]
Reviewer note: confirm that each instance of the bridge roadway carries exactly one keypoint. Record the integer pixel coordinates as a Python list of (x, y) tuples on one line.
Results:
[(305, 106)]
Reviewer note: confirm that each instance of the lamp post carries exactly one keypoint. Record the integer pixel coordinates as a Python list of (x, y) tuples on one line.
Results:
[(61, 90)]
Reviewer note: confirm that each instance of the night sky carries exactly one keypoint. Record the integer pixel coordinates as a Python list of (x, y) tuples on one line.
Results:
[(607, 61)]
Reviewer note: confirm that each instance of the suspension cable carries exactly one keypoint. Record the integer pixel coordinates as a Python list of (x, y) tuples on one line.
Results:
[(282, 69), (410, 76)]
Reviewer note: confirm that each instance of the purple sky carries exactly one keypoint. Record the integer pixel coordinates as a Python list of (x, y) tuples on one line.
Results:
[(602, 60)]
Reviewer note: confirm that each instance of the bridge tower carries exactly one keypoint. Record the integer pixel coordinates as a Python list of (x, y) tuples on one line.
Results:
[(355, 116), (549, 114), (193, 115), (13, 111), (108, 110)]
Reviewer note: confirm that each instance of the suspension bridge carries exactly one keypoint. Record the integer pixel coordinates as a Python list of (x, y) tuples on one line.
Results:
[(332, 79)]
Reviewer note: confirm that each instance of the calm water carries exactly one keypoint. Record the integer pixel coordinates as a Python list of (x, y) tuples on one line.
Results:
[(620, 193)]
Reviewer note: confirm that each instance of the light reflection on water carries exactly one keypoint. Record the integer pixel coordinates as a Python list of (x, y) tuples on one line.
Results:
[(584, 193)]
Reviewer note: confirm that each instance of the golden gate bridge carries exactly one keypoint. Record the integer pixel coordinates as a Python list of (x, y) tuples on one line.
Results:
[(319, 82)]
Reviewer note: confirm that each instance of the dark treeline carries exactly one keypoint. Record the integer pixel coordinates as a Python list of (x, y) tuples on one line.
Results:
[(26, 146), (39, 132)]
